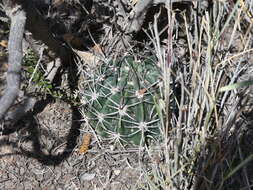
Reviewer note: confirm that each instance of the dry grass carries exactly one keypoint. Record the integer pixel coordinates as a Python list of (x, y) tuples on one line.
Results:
[(204, 128)]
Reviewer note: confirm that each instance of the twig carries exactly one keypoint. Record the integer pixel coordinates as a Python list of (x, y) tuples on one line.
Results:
[(37, 65)]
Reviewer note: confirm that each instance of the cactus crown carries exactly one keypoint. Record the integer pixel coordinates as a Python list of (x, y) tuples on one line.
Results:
[(119, 100)]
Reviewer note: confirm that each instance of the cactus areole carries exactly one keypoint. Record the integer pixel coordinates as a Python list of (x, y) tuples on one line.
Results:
[(120, 100)]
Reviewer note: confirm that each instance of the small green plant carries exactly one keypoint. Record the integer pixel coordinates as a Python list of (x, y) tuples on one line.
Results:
[(120, 98), (35, 75)]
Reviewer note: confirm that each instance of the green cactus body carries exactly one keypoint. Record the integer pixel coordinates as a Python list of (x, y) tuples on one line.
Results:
[(119, 100)]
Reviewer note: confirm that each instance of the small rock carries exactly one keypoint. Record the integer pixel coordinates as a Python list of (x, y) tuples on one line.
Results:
[(87, 177), (116, 172)]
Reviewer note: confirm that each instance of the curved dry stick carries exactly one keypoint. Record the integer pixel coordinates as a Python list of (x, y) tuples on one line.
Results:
[(137, 15), (18, 20)]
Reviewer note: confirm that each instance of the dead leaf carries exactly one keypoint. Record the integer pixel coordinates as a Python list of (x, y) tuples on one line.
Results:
[(89, 58), (97, 49), (4, 43)]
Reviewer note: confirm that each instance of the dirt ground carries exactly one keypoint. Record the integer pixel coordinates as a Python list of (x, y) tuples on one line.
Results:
[(44, 154)]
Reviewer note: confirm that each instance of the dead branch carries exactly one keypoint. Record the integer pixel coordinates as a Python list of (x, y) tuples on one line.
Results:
[(18, 20)]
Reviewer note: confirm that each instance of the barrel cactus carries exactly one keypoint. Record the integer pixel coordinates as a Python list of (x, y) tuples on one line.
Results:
[(119, 100)]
